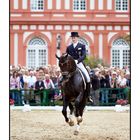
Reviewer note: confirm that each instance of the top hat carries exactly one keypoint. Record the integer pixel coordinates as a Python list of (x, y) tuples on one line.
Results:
[(74, 34)]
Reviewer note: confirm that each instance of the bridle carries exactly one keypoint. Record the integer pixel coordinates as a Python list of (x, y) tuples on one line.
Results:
[(67, 73), (63, 62)]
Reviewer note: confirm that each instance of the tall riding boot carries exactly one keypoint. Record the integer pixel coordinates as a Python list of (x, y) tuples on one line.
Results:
[(88, 93)]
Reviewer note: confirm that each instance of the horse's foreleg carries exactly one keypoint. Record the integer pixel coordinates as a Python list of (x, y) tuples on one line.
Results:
[(79, 119), (64, 110), (71, 122)]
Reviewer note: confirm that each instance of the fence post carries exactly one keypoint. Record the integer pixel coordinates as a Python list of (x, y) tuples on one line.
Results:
[(45, 97)]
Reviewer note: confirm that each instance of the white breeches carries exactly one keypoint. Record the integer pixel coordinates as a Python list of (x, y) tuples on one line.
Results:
[(82, 67)]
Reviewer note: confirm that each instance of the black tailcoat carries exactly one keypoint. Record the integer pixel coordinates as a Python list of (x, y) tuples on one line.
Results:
[(78, 53)]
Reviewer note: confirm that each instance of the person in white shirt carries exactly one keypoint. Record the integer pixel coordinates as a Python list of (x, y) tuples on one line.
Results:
[(26, 87), (122, 81), (32, 80), (31, 84)]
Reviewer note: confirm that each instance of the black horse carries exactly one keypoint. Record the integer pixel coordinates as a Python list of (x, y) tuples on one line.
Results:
[(74, 89)]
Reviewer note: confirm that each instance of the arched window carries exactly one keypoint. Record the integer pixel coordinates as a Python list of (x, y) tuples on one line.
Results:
[(79, 5), (37, 53), (85, 42), (120, 53), (37, 41)]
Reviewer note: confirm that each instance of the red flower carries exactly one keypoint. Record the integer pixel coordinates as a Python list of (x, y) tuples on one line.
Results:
[(12, 102), (122, 102)]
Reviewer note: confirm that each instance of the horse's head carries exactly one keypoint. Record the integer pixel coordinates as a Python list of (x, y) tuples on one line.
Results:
[(66, 63)]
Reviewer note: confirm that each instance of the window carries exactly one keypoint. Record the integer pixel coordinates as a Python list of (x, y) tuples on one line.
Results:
[(121, 5), (37, 5), (120, 53), (37, 53), (85, 42), (79, 5)]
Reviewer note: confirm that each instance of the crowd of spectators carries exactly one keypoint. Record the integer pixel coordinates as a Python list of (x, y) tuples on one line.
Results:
[(114, 78), (47, 77), (24, 79)]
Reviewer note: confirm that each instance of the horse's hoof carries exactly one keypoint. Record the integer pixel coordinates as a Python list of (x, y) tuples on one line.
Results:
[(71, 123), (76, 132), (79, 119)]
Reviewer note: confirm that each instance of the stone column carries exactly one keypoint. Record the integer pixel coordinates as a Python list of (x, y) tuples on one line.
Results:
[(21, 50), (63, 43), (12, 47), (96, 44), (105, 48), (52, 52)]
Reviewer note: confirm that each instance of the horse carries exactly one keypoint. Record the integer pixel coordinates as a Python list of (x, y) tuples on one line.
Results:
[(73, 86)]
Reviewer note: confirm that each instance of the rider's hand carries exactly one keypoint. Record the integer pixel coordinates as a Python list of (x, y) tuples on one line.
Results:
[(76, 61)]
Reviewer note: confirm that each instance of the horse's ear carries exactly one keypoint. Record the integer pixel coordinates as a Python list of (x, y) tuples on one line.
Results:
[(57, 56), (65, 55)]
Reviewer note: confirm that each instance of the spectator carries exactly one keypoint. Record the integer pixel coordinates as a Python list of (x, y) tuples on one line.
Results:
[(95, 82), (32, 80), (49, 85), (104, 83), (48, 82), (126, 70), (41, 73), (14, 85), (57, 78), (114, 80), (26, 87), (123, 85), (21, 83), (122, 81), (128, 82), (46, 70), (114, 84), (39, 86)]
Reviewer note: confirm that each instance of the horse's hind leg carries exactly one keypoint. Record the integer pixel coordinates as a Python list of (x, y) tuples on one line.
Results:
[(71, 108), (82, 106)]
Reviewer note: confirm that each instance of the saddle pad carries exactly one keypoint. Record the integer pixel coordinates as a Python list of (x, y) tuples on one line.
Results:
[(83, 77)]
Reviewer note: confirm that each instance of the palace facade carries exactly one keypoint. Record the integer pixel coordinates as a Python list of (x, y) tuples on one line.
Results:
[(41, 28)]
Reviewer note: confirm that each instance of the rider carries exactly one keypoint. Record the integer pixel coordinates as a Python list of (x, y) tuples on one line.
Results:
[(78, 52)]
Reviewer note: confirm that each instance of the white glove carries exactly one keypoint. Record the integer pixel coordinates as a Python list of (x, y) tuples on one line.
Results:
[(76, 61)]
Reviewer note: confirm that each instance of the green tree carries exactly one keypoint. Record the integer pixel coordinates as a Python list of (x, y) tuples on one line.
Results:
[(92, 62)]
